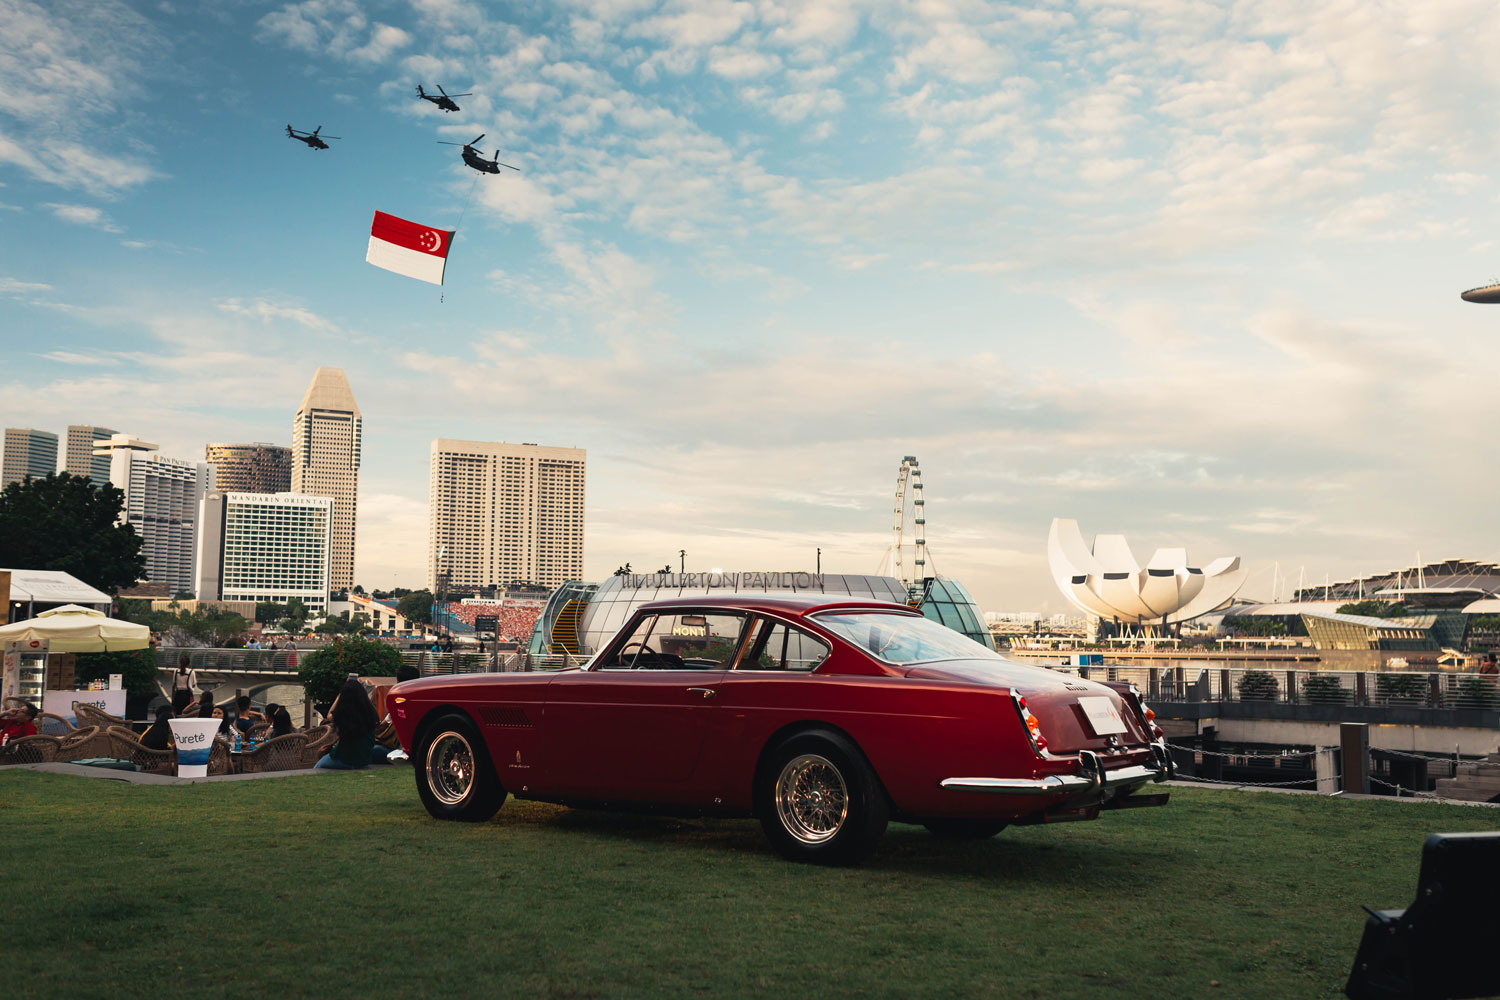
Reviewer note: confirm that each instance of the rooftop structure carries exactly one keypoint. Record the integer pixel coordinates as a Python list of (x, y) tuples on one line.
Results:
[(1445, 583), (1106, 581), (35, 590)]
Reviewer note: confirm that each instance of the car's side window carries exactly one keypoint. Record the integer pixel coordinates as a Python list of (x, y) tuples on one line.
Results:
[(778, 646), (626, 655), (702, 642), (678, 642)]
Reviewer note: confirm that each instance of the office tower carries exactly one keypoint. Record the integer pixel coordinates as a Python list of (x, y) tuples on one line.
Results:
[(162, 496), (325, 461), (82, 460), (264, 547), (250, 468), (28, 452), (504, 513)]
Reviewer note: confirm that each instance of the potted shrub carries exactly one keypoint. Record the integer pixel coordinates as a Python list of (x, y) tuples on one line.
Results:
[(1258, 685)]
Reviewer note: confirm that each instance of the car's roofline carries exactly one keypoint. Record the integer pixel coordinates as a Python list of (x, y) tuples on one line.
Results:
[(798, 605)]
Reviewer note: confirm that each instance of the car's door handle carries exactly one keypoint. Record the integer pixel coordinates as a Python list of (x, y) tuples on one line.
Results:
[(706, 692)]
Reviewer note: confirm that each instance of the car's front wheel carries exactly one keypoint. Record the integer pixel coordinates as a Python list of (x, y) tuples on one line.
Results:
[(455, 778), (965, 829), (819, 800)]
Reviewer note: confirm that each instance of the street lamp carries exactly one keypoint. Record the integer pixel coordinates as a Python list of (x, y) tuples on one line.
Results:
[(820, 561), (682, 560)]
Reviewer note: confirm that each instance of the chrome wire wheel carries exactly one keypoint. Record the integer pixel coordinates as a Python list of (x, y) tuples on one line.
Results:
[(812, 800), (450, 767)]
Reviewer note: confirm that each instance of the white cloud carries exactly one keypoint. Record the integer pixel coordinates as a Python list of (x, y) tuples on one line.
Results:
[(83, 215), (267, 312)]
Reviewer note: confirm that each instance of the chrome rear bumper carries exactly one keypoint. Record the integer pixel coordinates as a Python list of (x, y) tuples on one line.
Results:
[(1091, 778)]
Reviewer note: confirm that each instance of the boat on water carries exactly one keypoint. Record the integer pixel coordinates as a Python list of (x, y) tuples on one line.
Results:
[(1484, 293)]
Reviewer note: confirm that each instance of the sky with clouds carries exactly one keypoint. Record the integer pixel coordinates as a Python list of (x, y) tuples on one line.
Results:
[(1179, 269)]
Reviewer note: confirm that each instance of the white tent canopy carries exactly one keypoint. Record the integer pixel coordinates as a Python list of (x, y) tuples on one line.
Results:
[(52, 586), (75, 629)]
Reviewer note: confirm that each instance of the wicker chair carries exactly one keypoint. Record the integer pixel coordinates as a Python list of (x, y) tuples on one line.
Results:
[(220, 760), (49, 724), (80, 744), (30, 750), (386, 737), (88, 715), (123, 745), (320, 740), (260, 730), (282, 753)]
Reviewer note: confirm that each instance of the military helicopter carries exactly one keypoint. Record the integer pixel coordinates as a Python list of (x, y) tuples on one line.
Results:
[(472, 158), (313, 140), (445, 102)]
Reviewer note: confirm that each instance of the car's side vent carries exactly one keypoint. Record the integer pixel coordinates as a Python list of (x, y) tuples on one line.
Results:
[(499, 715)]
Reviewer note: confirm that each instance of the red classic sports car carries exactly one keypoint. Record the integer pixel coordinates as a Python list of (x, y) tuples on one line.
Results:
[(824, 718)]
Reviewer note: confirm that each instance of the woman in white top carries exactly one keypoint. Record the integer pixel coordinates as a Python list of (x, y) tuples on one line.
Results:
[(184, 684)]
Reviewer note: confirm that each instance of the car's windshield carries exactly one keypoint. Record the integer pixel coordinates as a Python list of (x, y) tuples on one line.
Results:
[(903, 638)]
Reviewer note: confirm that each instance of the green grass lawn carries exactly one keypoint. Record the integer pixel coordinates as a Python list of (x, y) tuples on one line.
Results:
[(342, 886)]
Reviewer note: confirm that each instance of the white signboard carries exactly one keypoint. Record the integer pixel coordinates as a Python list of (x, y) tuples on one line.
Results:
[(1103, 715), (61, 702), (117, 682)]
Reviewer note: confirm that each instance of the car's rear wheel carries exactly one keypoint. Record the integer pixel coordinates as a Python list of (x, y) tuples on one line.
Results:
[(455, 778), (819, 800), (965, 829)]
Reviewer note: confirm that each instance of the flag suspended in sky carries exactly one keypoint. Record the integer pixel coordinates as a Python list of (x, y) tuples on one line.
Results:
[(409, 248)]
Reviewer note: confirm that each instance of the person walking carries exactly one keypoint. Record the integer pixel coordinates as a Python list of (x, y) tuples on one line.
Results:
[(184, 683)]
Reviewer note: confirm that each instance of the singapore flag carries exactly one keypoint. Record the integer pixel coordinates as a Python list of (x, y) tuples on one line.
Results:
[(408, 248)]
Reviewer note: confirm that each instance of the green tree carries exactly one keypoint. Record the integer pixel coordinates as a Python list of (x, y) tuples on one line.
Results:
[(61, 522), (207, 626), (416, 607), (296, 615), (1373, 609), (324, 671), (136, 667), (267, 612)]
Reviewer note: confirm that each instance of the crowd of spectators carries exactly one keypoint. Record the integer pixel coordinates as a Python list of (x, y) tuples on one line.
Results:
[(513, 622)]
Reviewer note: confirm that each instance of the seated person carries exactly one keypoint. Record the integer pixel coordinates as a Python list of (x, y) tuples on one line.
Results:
[(281, 722), (354, 718), (17, 723), (245, 717), (159, 736)]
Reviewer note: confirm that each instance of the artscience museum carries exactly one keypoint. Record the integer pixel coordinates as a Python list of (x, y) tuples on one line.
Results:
[(1105, 581)]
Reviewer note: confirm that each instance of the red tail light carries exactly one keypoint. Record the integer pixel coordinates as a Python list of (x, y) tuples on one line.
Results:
[(1032, 724)]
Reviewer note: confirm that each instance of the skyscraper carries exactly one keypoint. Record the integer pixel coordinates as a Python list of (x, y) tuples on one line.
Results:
[(502, 513), (264, 547), (162, 496), (325, 461), (250, 468), (28, 452), (82, 460)]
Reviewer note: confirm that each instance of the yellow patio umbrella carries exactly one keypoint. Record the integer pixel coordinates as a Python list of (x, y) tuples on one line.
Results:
[(73, 628)]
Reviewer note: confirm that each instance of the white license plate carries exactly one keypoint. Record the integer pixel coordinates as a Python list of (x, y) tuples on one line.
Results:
[(1103, 715)]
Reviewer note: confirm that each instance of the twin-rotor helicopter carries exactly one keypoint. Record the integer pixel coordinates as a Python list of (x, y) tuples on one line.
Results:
[(472, 156)]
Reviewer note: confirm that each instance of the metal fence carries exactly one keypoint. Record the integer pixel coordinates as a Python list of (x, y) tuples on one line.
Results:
[(1392, 689), (428, 663)]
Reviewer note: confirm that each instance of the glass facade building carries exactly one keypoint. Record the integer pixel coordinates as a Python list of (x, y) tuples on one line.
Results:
[(580, 618)]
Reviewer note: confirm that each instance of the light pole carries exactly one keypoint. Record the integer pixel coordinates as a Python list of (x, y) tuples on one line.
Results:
[(820, 561), (682, 560)]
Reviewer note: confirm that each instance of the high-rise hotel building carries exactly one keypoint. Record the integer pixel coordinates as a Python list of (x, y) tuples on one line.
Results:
[(505, 513), (250, 468), (162, 496), (265, 547), (28, 452), (325, 461), (82, 458)]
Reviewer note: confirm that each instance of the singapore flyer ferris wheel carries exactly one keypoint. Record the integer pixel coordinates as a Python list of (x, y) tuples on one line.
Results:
[(908, 558)]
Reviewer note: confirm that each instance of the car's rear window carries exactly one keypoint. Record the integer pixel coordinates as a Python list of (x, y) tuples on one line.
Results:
[(903, 638)]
